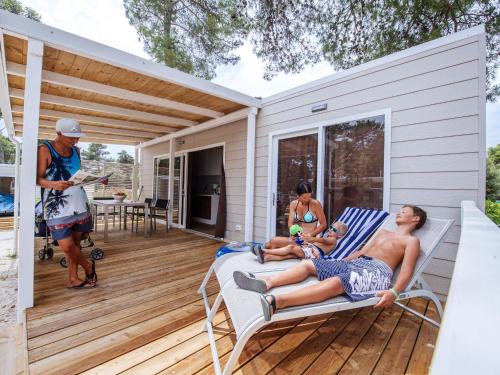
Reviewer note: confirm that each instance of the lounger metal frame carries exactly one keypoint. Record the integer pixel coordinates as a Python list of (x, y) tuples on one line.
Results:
[(336, 304)]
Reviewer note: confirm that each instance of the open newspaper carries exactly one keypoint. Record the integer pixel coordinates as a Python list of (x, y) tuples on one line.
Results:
[(81, 178)]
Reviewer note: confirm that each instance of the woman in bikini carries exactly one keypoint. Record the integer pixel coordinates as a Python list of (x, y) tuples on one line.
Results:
[(304, 211)]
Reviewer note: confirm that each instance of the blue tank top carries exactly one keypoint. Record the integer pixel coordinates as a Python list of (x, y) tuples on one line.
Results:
[(61, 207)]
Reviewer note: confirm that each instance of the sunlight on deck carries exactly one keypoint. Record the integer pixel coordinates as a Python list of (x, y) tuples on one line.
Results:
[(146, 318)]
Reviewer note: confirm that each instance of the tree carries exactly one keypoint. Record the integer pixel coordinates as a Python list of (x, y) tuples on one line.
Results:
[(190, 35), (16, 7), (7, 151), (289, 34), (493, 173), (494, 155), (96, 151), (125, 158)]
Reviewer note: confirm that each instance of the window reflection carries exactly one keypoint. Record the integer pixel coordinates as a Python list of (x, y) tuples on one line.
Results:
[(297, 161), (354, 165)]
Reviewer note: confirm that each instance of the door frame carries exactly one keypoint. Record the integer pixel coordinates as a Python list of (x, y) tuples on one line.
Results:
[(319, 128)]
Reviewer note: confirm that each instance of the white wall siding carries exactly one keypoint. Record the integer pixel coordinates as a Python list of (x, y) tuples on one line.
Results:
[(234, 137), (437, 128)]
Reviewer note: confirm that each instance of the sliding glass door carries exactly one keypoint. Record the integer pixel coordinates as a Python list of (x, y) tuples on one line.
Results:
[(160, 185), (297, 159), (347, 164), (354, 166)]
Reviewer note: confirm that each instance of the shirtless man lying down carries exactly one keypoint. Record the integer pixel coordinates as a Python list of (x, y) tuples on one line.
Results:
[(364, 274)]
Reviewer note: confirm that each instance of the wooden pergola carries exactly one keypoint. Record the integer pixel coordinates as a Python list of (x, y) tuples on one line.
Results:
[(119, 98)]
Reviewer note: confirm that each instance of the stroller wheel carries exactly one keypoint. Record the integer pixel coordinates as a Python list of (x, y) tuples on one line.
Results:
[(50, 253), (97, 254), (63, 263), (41, 254)]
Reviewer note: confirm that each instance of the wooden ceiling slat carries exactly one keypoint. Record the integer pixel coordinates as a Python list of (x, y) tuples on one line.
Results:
[(47, 88), (81, 67)]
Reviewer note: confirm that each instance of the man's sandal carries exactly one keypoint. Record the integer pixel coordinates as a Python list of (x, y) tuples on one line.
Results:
[(255, 248), (248, 281), (84, 285), (92, 278), (269, 308)]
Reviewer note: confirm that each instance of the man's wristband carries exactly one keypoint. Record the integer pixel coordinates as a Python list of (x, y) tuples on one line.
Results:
[(394, 292)]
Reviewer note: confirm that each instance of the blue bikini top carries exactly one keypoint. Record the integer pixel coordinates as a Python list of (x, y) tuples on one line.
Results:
[(307, 218)]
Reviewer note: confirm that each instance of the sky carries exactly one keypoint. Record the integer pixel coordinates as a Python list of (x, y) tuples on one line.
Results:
[(104, 21)]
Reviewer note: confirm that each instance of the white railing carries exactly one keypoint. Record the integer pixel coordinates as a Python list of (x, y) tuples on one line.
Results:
[(468, 339)]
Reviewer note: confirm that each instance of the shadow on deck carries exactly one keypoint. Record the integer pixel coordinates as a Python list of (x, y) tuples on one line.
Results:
[(145, 317)]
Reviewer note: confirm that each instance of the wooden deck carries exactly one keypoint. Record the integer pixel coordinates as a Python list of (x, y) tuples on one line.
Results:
[(146, 316)]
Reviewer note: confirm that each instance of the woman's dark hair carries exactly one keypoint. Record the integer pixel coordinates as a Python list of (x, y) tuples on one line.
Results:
[(304, 187)]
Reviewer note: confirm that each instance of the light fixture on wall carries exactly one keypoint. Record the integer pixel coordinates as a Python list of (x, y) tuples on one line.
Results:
[(180, 141), (319, 107)]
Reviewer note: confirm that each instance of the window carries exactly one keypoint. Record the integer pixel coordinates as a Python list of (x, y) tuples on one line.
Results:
[(354, 165), (160, 179), (297, 161)]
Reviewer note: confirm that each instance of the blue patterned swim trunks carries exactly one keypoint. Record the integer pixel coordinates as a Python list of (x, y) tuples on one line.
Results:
[(362, 278)]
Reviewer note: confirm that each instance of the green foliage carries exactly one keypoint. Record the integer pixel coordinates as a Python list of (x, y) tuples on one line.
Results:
[(96, 151), (493, 211), (16, 7), (125, 158), (289, 34), (494, 155), (7, 151), (190, 35), (493, 173)]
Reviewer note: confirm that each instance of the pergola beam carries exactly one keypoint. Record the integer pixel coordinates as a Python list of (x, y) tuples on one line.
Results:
[(21, 27), (50, 124), (116, 92), (103, 121), (104, 108), (87, 140), (103, 138)]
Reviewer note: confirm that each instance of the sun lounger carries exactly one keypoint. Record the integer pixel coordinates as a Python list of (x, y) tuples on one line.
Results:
[(245, 309), (362, 224)]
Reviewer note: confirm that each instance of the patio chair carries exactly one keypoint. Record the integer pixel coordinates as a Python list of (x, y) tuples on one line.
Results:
[(245, 309), (138, 212), (157, 207), (362, 223)]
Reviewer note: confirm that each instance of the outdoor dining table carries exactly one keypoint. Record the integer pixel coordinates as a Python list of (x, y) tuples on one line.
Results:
[(106, 204)]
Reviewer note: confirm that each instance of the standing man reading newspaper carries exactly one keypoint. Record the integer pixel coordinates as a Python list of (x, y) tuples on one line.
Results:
[(66, 207)]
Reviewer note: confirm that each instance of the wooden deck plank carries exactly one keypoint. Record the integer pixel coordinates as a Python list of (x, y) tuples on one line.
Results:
[(365, 357), (424, 347), (144, 353), (334, 356), (397, 353), (304, 355), (274, 354), (258, 343)]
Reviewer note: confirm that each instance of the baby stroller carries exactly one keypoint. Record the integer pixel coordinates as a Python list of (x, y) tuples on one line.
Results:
[(42, 230)]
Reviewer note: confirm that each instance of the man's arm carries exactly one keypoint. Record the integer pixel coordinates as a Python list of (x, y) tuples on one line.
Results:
[(412, 250)]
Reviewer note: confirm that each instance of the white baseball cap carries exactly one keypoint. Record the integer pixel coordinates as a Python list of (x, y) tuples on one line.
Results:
[(69, 128)]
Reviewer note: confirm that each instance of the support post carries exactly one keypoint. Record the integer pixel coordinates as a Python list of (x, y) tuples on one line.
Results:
[(135, 175), (171, 165), (16, 199), (28, 174), (250, 174)]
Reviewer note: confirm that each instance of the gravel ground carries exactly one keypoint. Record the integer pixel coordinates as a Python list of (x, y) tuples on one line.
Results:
[(8, 281)]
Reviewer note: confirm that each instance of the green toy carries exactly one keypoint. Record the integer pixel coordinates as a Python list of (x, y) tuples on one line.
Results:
[(295, 229)]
